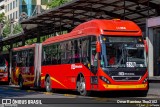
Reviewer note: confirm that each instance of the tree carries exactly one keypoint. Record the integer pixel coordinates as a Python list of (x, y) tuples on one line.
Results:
[(2, 18), (55, 3), (7, 29)]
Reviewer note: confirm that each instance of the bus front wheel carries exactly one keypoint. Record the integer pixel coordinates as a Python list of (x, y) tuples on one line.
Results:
[(81, 86), (48, 84)]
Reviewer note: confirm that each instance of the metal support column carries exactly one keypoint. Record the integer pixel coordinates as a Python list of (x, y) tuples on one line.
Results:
[(148, 8), (124, 9), (38, 35), (54, 27), (23, 40), (91, 13), (60, 25), (1, 48), (72, 20)]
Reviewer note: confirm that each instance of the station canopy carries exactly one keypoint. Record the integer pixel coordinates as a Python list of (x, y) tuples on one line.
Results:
[(71, 14)]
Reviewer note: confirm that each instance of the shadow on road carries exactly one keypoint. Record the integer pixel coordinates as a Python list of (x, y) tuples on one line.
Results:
[(15, 91)]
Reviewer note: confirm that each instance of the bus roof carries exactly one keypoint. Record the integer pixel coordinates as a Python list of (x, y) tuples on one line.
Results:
[(24, 47), (100, 27)]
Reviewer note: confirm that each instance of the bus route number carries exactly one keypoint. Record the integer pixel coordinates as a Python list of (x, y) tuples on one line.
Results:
[(130, 64)]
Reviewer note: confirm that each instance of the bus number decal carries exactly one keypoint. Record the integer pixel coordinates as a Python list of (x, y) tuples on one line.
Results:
[(131, 64)]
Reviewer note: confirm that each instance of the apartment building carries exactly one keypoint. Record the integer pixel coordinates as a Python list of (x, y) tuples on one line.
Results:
[(2, 10), (14, 8)]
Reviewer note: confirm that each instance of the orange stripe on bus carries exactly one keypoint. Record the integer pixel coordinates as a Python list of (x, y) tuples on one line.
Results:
[(53, 79)]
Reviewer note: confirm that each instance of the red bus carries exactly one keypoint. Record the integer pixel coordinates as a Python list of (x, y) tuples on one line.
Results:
[(4, 74), (99, 55)]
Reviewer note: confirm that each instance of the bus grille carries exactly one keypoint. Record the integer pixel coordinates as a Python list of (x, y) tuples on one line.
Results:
[(126, 78)]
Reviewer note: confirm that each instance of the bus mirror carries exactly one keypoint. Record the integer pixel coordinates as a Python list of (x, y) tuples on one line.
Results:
[(98, 47), (146, 46)]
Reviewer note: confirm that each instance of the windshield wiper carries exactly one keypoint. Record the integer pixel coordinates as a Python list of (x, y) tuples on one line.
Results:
[(122, 58)]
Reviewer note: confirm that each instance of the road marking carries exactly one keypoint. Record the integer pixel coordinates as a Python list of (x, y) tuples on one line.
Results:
[(70, 95), (31, 91), (48, 93)]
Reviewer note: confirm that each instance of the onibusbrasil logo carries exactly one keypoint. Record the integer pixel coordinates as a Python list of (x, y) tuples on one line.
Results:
[(15, 102)]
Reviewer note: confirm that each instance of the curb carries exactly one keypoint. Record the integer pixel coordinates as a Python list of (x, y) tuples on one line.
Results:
[(154, 81)]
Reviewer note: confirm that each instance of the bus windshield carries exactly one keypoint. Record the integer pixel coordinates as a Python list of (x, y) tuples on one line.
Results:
[(2, 61), (123, 53)]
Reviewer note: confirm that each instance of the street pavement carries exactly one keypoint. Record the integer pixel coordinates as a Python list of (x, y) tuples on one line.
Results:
[(72, 98)]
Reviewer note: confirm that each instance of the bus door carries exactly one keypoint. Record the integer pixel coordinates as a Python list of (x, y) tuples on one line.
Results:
[(31, 65), (94, 64), (26, 74)]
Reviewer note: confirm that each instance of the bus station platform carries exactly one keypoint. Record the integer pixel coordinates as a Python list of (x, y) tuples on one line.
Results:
[(155, 79)]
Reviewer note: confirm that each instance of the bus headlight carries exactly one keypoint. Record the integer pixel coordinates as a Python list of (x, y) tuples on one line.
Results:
[(145, 80), (105, 79)]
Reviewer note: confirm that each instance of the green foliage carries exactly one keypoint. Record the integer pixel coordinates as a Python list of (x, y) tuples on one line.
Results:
[(7, 29), (55, 3), (17, 29), (2, 18)]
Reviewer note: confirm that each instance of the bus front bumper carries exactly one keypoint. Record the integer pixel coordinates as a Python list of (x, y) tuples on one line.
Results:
[(125, 87)]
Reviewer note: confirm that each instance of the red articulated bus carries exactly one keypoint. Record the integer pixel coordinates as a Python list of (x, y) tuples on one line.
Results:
[(4, 74), (98, 55)]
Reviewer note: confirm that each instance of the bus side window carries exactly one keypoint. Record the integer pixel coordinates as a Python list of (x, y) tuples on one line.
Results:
[(54, 54), (31, 57), (63, 53), (76, 52), (69, 52), (85, 51), (43, 56), (59, 54), (94, 54)]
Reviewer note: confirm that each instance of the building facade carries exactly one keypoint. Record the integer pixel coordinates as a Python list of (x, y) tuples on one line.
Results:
[(2, 10), (14, 8), (153, 41)]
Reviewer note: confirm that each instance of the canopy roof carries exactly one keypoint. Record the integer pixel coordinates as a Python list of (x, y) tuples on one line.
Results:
[(71, 14)]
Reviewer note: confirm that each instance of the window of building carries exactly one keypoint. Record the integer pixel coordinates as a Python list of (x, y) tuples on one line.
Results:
[(16, 3), (8, 7), (13, 15), (16, 14), (13, 4)]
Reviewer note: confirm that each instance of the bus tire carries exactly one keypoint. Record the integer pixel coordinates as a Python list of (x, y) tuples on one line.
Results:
[(20, 82), (48, 84), (81, 86)]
